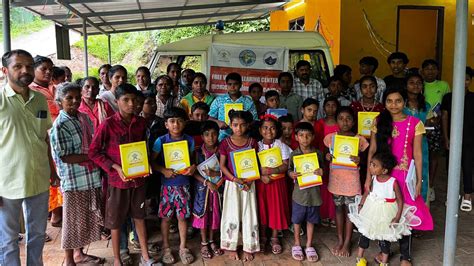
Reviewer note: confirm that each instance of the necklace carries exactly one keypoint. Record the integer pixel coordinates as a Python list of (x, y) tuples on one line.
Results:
[(367, 108)]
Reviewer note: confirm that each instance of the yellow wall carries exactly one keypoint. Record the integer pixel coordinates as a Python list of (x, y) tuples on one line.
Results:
[(328, 12), (383, 16), (350, 38)]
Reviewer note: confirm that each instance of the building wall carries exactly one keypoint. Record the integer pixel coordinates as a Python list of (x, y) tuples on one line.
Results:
[(327, 11), (349, 37)]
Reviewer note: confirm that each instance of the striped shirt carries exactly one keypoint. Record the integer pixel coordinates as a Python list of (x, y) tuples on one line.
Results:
[(71, 135)]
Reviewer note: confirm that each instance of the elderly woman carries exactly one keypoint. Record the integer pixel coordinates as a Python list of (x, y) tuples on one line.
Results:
[(164, 97), (96, 109), (70, 136)]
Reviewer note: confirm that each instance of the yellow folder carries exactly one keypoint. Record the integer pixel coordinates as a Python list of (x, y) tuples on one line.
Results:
[(245, 164), (134, 159), (306, 164), (231, 106), (176, 155), (343, 148), (364, 122), (271, 158)]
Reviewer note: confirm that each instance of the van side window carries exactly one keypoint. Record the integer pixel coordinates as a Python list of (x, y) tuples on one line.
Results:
[(319, 65)]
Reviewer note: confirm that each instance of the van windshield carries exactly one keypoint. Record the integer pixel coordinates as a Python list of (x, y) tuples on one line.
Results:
[(319, 65), (186, 61)]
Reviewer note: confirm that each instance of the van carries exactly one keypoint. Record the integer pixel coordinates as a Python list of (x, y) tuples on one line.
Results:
[(196, 52)]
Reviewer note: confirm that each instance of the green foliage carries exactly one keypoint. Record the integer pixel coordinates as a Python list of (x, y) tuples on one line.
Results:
[(94, 72), (23, 22)]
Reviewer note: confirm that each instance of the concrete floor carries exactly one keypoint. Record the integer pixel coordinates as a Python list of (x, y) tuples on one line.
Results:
[(427, 250)]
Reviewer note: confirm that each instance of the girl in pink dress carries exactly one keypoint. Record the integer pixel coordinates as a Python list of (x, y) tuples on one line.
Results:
[(401, 135), (324, 127)]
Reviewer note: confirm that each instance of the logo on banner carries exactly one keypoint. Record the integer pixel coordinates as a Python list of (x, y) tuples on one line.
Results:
[(247, 57), (223, 56), (270, 58)]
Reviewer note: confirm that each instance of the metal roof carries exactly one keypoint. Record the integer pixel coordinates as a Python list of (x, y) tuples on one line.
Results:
[(115, 16)]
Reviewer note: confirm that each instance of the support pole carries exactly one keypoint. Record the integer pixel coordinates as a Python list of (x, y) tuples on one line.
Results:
[(109, 47), (84, 35), (457, 116), (7, 42)]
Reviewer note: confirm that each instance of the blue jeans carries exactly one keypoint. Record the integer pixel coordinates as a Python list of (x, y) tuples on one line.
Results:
[(128, 225), (35, 211)]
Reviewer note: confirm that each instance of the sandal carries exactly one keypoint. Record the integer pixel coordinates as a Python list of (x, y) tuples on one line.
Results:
[(205, 252), (311, 254), (215, 249), (47, 238), (186, 256), (276, 246), (262, 243), (90, 259), (168, 256), (125, 257), (149, 262), (297, 253), (466, 205)]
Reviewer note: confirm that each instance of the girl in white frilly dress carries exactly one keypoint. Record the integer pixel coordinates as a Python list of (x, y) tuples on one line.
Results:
[(380, 214)]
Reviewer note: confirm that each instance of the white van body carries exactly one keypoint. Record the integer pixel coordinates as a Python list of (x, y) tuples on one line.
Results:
[(310, 46)]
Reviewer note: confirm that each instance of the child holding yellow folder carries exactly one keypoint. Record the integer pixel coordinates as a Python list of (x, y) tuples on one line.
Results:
[(306, 202), (175, 189), (344, 182), (272, 192), (240, 203)]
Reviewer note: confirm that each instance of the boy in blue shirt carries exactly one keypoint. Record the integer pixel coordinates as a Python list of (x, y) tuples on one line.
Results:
[(175, 190)]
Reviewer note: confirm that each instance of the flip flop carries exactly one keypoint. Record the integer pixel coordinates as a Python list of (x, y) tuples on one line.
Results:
[(311, 254), (215, 249), (297, 253), (276, 246), (91, 259), (168, 256), (186, 256), (466, 205)]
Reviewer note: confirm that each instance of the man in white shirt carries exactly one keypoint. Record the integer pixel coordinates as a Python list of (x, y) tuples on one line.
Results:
[(303, 84)]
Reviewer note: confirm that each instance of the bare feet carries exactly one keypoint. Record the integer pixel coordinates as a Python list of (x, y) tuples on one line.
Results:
[(405, 263), (233, 255), (336, 249), (248, 257), (345, 251)]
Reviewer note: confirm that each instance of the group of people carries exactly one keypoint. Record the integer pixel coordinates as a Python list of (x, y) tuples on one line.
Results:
[(69, 133)]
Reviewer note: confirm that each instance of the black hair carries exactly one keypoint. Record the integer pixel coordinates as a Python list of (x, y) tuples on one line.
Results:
[(285, 74), (286, 119), (254, 86), (309, 101), (200, 105), (149, 94), (200, 75), (108, 66), (245, 115), (469, 72), (168, 68), (279, 130), (140, 95), (420, 97), (271, 93), (304, 126), (384, 121), (233, 76), (175, 112), (168, 80), (94, 79), (335, 78), (340, 70), (58, 72), (302, 63), (39, 60), (398, 55), (6, 56), (145, 69), (332, 99), (190, 70), (429, 62), (367, 77), (370, 61), (125, 88), (209, 125), (345, 109), (386, 159), (66, 68), (116, 68)]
